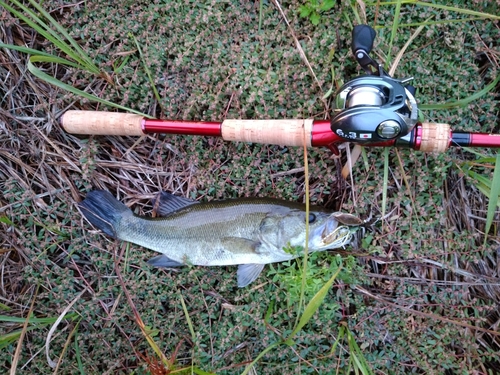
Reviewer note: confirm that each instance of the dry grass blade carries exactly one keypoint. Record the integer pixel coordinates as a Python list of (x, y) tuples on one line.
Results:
[(17, 353), (52, 363), (400, 54), (66, 346)]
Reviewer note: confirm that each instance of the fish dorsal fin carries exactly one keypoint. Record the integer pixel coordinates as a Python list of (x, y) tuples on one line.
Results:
[(167, 203), (247, 273), (163, 261)]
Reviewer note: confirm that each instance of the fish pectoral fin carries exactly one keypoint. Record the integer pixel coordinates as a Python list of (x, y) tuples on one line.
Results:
[(239, 245), (247, 273), (164, 261)]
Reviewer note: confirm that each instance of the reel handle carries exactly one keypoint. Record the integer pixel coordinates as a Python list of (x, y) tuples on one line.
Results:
[(363, 37)]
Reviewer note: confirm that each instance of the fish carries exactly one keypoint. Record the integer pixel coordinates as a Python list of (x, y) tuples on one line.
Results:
[(247, 232)]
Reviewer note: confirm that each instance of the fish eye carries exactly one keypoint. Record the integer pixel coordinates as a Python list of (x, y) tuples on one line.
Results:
[(312, 218)]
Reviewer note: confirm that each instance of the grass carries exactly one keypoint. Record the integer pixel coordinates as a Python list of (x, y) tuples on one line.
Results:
[(490, 187), (43, 23), (419, 294)]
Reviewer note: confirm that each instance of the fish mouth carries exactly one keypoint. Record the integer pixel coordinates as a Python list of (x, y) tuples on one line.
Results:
[(334, 235)]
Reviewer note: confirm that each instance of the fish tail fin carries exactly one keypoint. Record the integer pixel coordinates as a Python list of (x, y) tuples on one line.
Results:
[(103, 210)]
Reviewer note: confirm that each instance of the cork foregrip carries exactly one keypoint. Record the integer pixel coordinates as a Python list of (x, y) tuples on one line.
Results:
[(102, 123), (435, 137), (276, 132)]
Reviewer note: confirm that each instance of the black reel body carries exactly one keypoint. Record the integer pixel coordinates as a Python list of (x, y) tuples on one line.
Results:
[(375, 107)]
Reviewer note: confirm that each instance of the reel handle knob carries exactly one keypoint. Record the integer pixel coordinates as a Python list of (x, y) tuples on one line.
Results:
[(363, 37)]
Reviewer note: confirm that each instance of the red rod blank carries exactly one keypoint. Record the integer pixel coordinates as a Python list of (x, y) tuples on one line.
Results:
[(202, 128)]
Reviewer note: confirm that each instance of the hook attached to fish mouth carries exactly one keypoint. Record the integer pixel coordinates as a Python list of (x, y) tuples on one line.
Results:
[(334, 235)]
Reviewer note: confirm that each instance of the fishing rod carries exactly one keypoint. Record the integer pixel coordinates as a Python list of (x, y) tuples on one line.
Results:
[(374, 110)]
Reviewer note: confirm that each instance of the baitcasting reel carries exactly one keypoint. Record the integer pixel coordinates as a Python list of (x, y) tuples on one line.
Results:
[(375, 107)]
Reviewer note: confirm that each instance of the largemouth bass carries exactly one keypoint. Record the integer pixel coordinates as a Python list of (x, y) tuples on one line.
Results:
[(249, 232)]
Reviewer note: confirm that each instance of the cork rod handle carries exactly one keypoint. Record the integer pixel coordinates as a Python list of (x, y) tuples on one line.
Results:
[(102, 123), (277, 132), (435, 137)]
